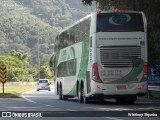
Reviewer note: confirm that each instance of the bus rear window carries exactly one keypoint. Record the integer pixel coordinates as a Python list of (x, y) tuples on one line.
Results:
[(119, 22)]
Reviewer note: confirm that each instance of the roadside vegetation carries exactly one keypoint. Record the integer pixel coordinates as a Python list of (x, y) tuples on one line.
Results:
[(19, 69), (15, 91)]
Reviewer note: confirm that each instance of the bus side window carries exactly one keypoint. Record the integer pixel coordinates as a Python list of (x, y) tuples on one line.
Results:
[(50, 62), (54, 65)]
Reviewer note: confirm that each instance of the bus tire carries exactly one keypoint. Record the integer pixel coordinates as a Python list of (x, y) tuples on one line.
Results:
[(85, 100), (130, 101), (60, 92), (80, 93), (64, 97), (101, 100), (120, 100), (57, 88)]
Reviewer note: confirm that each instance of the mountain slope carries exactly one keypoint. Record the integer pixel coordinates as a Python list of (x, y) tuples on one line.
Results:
[(24, 22)]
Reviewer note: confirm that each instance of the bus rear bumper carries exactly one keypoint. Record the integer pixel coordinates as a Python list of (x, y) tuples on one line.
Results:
[(117, 96), (131, 89)]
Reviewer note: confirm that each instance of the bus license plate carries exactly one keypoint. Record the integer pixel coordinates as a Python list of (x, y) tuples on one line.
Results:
[(121, 87)]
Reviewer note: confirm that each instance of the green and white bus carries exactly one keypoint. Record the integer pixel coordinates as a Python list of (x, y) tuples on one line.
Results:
[(103, 55)]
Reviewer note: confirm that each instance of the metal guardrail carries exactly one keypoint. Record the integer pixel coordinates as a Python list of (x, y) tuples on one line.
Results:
[(19, 83), (152, 88)]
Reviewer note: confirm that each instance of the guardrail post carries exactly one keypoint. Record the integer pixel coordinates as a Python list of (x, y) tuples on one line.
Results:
[(149, 94), (152, 88)]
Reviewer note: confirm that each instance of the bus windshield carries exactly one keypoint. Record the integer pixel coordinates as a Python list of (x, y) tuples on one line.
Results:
[(119, 22)]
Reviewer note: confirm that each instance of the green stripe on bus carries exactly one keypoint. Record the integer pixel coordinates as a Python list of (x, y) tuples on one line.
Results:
[(73, 91), (132, 75), (84, 59)]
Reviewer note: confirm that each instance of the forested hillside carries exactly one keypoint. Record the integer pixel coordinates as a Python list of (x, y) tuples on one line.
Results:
[(25, 23)]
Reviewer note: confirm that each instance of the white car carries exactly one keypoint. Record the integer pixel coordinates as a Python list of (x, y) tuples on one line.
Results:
[(43, 84)]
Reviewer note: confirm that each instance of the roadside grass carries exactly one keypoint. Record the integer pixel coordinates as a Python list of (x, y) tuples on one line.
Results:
[(14, 91)]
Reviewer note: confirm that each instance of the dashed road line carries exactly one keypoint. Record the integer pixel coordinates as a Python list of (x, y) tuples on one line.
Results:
[(27, 99), (48, 105), (71, 110), (112, 118)]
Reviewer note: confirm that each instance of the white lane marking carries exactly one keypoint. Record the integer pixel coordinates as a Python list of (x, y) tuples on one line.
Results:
[(25, 107), (71, 110), (112, 118), (27, 99), (49, 105)]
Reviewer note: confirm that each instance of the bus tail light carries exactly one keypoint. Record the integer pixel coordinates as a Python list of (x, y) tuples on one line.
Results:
[(139, 12), (95, 73), (98, 12), (119, 11), (145, 69), (145, 72), (141, 87)]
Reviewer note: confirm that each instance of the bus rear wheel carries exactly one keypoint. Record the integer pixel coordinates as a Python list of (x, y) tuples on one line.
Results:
[(80, 93), (85, 100), (64, 97), (60, 92)]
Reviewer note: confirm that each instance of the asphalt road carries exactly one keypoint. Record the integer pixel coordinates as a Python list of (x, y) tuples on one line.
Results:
[(45, 103)]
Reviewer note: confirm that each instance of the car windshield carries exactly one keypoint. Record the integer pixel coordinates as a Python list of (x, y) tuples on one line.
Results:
[(43, 81)]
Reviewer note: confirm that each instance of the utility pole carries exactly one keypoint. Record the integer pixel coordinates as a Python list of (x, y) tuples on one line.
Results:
[(38, 56)]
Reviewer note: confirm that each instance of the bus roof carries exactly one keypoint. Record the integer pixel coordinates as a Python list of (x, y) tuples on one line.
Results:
[(99, 12), (77, 22)]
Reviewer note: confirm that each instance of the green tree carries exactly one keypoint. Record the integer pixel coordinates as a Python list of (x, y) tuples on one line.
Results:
[(17, 66), (87, 2), (45, 72), (20, 55)]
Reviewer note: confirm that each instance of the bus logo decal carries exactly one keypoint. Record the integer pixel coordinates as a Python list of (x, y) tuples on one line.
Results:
[(119, 19)]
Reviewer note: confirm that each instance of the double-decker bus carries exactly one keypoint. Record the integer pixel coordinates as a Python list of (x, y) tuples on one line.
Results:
[(103, 55)]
